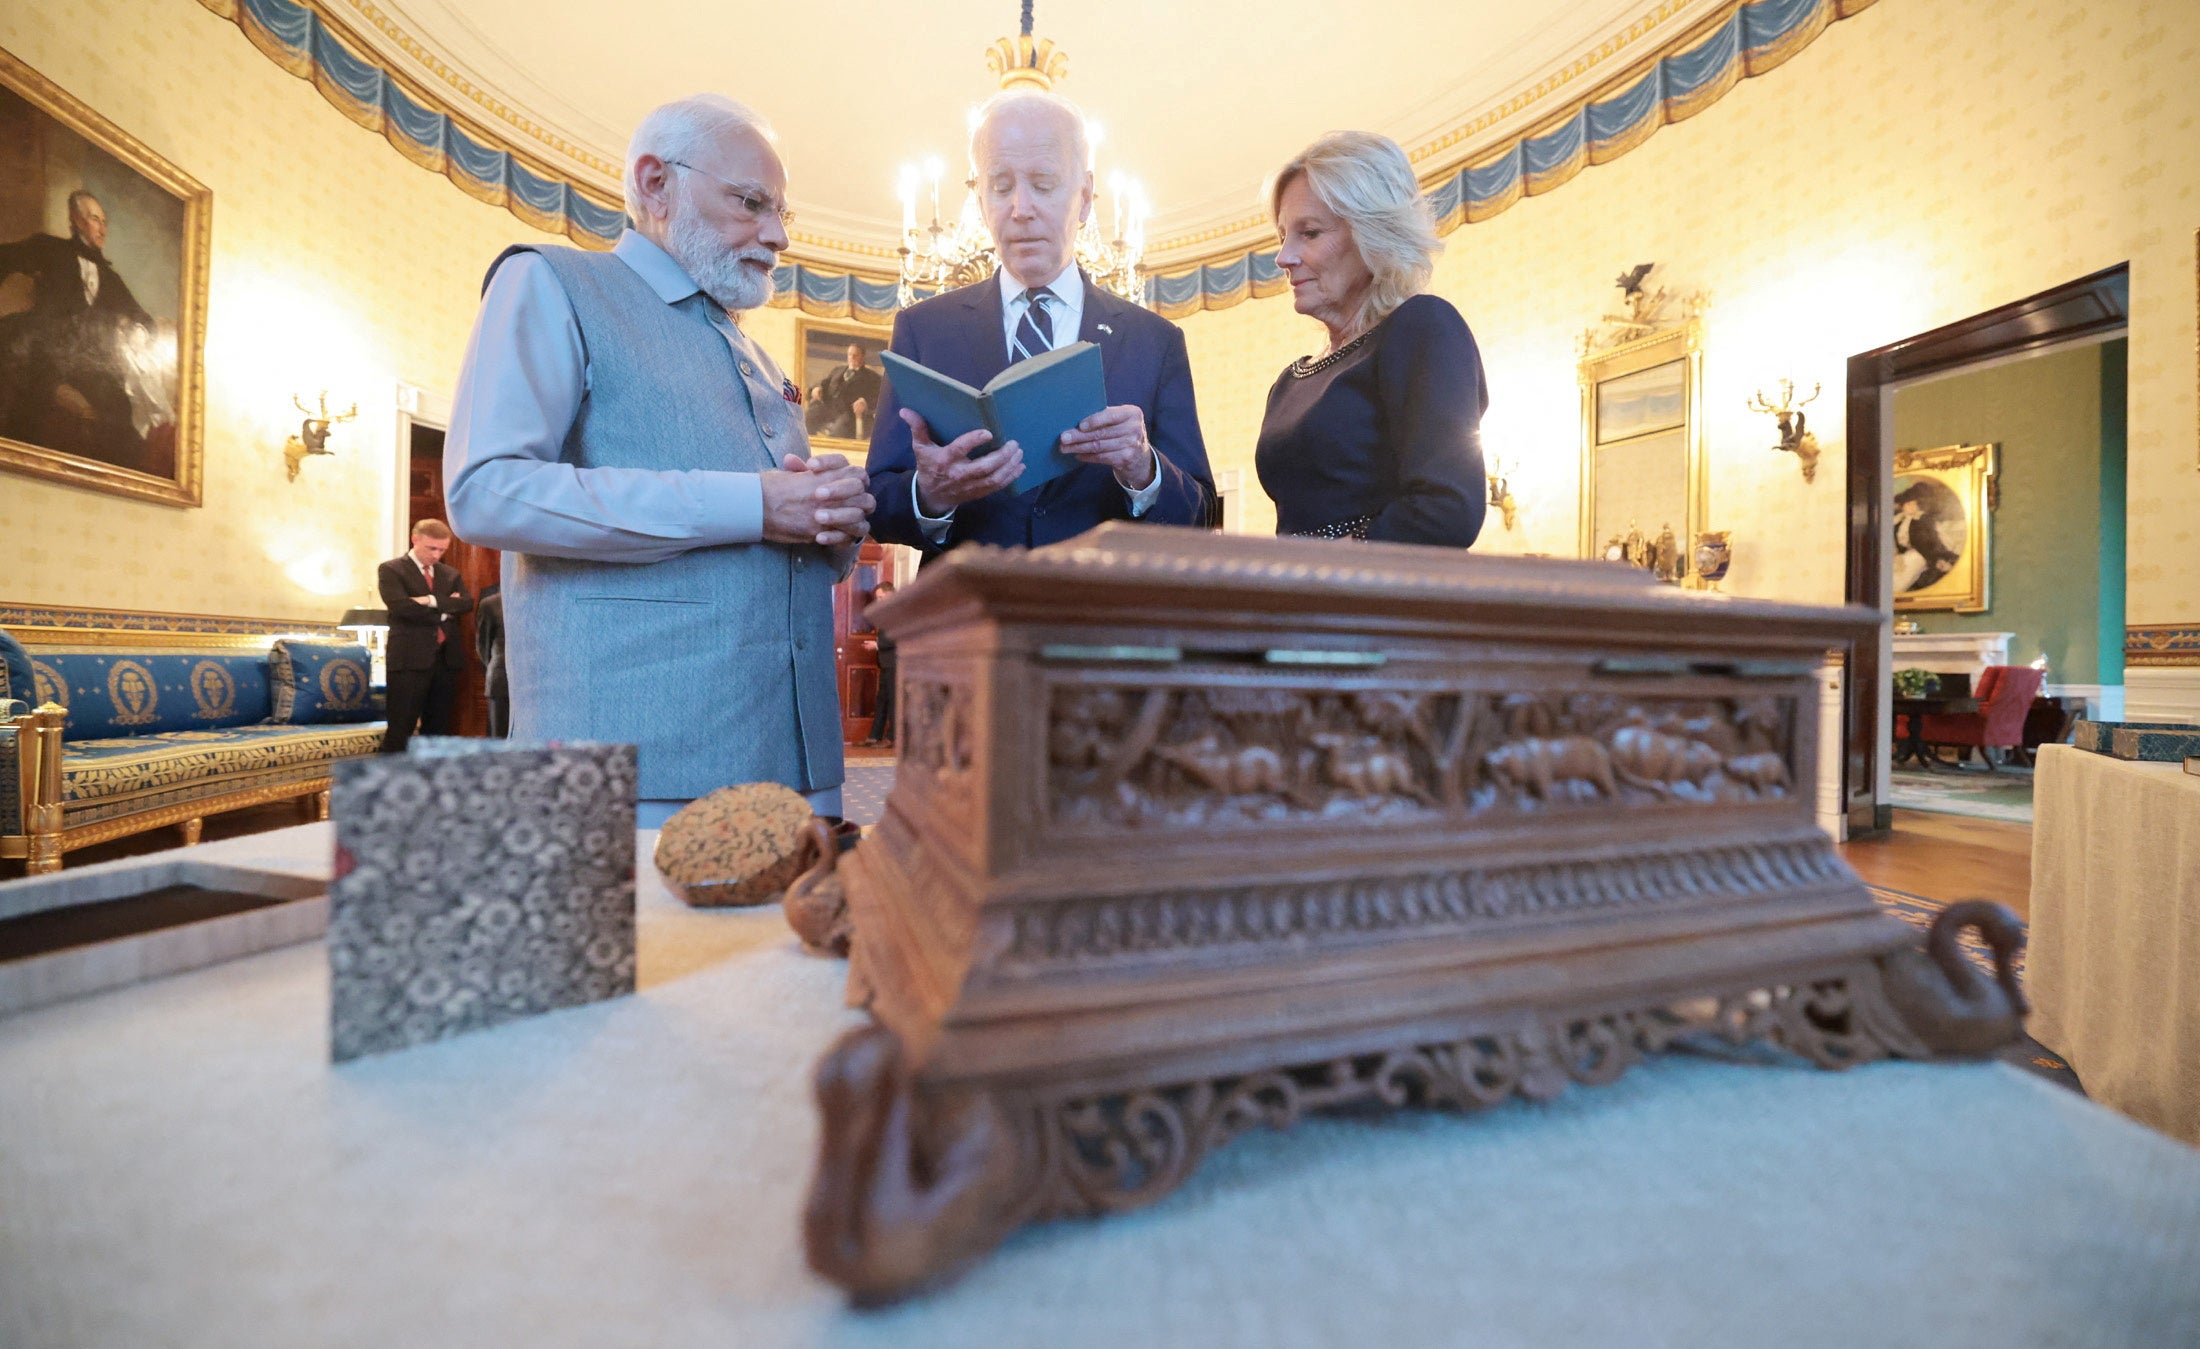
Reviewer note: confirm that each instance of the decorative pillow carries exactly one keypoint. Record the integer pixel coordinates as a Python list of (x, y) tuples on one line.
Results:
[(314, 682), (141, 692), (15, 670)]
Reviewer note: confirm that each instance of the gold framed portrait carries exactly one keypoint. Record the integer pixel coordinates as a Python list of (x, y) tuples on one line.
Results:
[(1942, 522), (103, 262), (842, 379), (1644, 477)]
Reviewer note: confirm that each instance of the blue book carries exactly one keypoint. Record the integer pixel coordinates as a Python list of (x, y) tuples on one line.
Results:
[(1032, 403)]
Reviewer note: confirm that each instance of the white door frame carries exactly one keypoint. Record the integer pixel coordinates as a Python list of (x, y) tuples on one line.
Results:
[(416, 406)]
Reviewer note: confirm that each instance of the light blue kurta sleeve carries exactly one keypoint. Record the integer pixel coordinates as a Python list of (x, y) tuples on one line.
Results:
[(518, 393)]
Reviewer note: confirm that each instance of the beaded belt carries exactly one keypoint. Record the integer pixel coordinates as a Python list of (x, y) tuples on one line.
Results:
[(1355, 528)]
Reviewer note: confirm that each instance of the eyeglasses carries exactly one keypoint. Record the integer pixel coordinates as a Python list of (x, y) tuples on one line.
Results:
[(753, 203)]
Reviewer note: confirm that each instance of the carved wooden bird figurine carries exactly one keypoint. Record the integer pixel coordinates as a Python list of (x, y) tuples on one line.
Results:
[(1630, 281)]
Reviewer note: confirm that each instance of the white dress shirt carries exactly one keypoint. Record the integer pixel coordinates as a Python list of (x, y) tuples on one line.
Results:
[(1066, 312), (519, 391), (89, 270), (1065, 306)]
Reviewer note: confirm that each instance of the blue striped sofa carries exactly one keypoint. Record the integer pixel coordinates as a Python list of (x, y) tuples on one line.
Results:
[(98, 742)]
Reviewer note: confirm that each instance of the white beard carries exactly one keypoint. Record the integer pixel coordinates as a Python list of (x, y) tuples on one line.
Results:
[(721, 272)]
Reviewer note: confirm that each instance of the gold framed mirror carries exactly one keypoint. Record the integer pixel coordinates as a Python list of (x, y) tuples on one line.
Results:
[(1643, 474)]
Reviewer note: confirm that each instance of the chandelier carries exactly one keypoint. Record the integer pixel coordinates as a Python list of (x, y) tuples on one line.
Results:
[(942, 254)]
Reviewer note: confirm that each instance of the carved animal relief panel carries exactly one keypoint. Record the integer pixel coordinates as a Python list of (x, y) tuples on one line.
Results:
[(938, 745), (1179, 755)]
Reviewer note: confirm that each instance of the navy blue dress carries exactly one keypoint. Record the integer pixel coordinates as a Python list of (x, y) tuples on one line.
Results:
[(1385, 441)]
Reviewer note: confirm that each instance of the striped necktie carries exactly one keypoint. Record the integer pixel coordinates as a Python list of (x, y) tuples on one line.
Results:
[(1035, 331)]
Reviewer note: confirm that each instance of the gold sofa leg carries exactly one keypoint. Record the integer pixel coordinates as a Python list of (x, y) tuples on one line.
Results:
[(320, 805), (192, 829), (38, 755)]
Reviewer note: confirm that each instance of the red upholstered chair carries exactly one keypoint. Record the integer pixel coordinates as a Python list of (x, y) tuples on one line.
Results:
[(2004, 694)]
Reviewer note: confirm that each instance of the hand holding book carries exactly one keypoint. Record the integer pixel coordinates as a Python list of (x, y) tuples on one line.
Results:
[(1115, 439), (1033, 422), (955, 473)]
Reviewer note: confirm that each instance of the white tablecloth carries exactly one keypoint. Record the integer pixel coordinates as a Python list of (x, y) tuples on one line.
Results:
[(179, 1165), (2114, 963)]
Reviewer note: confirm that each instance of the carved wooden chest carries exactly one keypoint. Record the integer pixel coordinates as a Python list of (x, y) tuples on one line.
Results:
[(1193, 832)]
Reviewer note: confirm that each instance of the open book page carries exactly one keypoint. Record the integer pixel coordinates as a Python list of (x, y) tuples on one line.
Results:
[(1032, 403)]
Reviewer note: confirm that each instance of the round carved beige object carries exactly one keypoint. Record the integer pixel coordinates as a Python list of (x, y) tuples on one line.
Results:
[(735, 847)]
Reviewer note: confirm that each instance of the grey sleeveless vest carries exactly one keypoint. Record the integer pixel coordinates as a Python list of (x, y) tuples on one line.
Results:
[(718, 663)]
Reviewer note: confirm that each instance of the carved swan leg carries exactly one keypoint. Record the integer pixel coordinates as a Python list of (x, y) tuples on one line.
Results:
[(816, 905), (910, 1186), (1944, 999)]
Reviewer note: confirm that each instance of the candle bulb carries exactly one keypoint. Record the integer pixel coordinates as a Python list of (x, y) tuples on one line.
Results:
[(932, 167), (907, 189)]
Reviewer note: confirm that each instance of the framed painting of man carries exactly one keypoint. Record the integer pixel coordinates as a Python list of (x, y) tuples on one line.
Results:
[(841, 377), (1943, 527), (103, 262)]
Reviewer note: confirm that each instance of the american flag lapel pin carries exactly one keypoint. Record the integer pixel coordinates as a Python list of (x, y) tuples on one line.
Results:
[(1108, 330)]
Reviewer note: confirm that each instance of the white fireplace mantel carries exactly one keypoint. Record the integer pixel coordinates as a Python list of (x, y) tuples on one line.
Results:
[(1951, 652)]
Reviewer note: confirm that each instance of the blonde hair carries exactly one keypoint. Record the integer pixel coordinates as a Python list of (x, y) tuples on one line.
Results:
[(1368, 182)]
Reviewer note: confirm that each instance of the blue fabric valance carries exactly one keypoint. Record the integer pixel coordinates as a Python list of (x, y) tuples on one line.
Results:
[(1677, 83)]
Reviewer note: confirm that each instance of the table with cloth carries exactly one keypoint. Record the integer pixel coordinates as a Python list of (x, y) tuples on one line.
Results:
[(2114, 964), (180, 1165)]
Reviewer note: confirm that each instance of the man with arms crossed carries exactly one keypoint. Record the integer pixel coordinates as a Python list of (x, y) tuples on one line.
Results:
[(424, 597), (1142, 458), (670, 546)]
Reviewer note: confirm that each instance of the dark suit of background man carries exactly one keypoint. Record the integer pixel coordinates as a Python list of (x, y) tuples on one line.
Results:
[(425, 599), (1143, 457), (845, 402), (62, 362), (489, 645), (889, 674)]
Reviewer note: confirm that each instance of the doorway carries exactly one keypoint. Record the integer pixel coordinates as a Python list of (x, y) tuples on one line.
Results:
[(2092, 309)]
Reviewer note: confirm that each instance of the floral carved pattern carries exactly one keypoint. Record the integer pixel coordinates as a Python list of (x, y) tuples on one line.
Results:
[(1148, 756), (914, 1181), (1112, 1153)]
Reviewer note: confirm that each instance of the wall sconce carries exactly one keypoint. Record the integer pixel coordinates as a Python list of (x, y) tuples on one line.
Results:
[(312, 437), (1501, 497), (1789, 414)]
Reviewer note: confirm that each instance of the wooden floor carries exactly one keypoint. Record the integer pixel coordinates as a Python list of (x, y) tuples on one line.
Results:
[(1950, 857)]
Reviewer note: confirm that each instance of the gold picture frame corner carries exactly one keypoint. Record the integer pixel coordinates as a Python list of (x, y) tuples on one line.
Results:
[(185, 488)]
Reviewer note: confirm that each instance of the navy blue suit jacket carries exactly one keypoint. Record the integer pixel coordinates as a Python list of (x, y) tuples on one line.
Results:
[(959, 334)]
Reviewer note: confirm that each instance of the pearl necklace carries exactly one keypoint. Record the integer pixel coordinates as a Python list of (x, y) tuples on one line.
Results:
[(1307, 365)]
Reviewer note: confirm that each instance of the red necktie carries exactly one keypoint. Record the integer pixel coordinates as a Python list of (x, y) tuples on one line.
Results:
[(429, 573)]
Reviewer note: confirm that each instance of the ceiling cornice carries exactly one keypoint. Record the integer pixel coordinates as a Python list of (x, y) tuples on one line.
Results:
[(1670, 83), (1468, 131), (515, 149)]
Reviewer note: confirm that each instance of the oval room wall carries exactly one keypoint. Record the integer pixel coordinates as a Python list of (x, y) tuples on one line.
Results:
[(1868, 192)]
